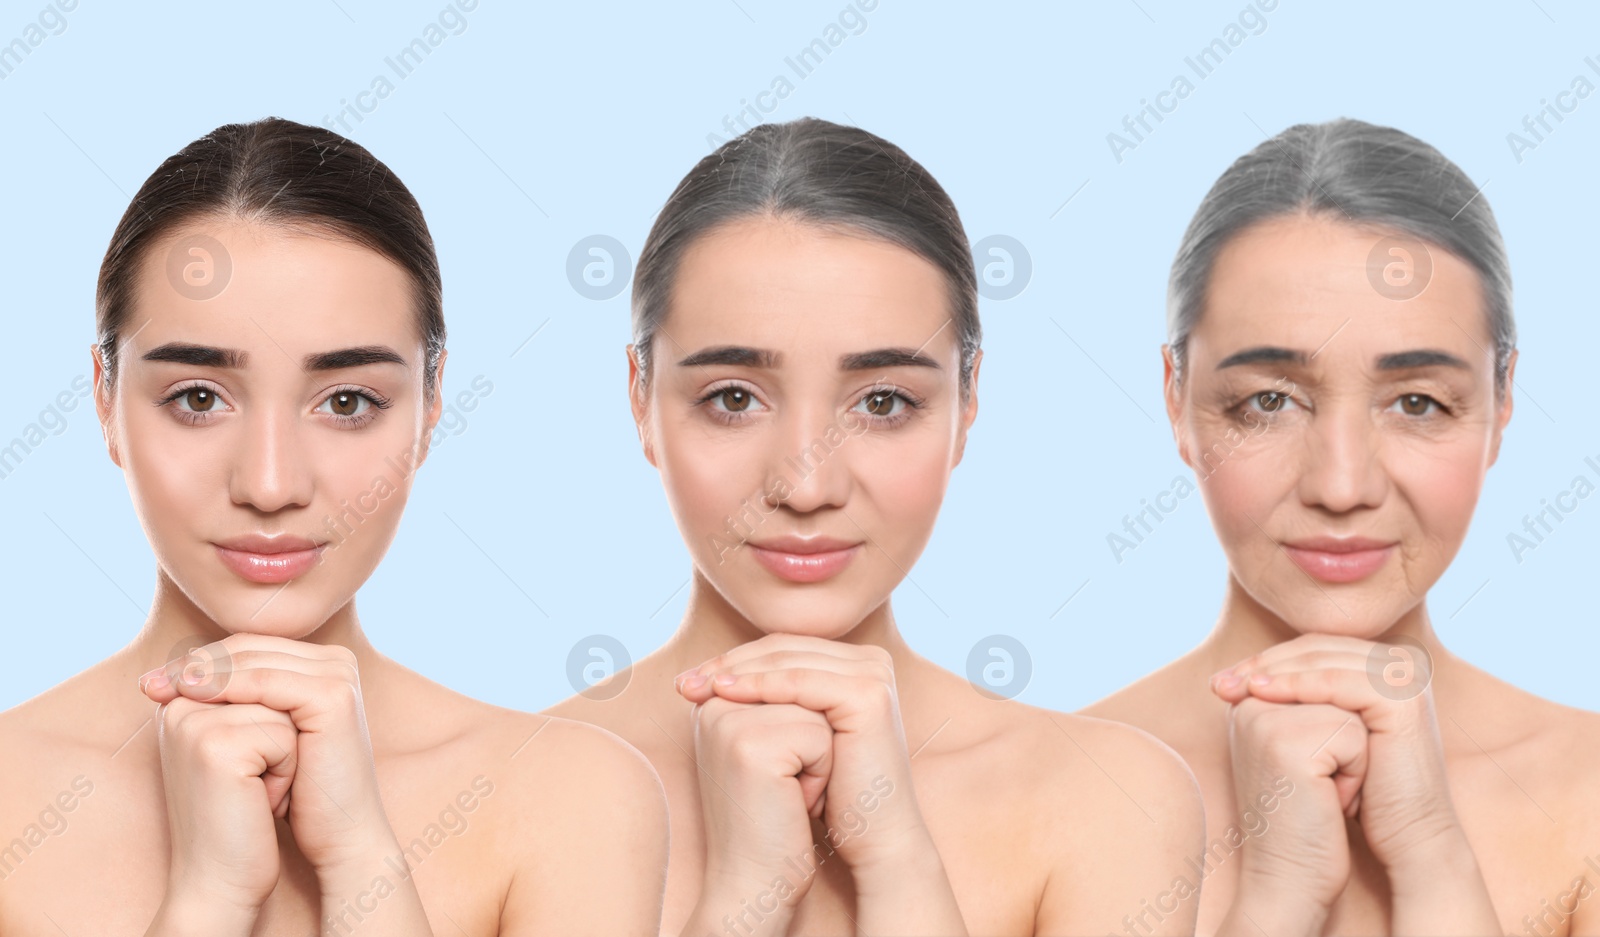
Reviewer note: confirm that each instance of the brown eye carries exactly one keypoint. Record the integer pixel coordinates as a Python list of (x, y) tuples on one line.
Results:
[(736, 399), (1415, 404), (879, 404), (199, 399), (1270, 401), (345, 403)]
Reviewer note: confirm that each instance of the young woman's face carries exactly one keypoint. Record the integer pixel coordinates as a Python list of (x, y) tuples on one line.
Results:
[(1341, 436), (268, 434), (804, 409)]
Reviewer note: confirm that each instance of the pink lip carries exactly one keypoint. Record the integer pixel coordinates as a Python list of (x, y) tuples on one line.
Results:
[(258, 558), (804, 559), (1339, 560)]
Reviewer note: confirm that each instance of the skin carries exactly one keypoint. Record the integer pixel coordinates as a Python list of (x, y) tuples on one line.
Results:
[(276, 789), (802, 716), (1459, 807)]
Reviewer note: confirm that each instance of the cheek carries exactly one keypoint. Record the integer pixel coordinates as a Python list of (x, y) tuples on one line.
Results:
[(1441, 486)]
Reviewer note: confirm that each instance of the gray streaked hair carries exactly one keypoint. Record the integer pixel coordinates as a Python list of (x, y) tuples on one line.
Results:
[(1365, 174), (821, 173)]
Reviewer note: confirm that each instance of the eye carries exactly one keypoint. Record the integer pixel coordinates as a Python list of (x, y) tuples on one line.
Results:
[(1417, 404), (734, 399), (730, 402), (1269, 401), (348, 405), (883, 403), (197, 399)]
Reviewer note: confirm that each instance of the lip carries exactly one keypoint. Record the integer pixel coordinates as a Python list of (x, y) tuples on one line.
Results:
[(264, 559), (1340, 559), (804, 559)]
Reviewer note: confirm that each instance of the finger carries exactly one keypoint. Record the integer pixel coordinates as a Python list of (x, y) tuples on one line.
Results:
[(848, 703), (206, 678), (774, 643), (315, 702), (864, 668), (1304, 644)]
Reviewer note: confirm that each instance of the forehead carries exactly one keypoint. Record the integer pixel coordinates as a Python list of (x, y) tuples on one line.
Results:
[(781, 284), (1311, 283), (250, 286)]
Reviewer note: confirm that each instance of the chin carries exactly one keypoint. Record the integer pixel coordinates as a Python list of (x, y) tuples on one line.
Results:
[(814, 613)]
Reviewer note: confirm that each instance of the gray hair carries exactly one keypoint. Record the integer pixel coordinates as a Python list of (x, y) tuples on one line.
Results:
[(820, 173), (1365, 174)]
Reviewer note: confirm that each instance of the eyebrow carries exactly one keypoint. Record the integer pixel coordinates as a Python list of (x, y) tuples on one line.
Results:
[(1423, 358), (1263, 353), (738, 355), (207, 356)]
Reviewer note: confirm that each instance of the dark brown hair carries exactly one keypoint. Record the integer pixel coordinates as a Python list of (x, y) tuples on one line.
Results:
[(275, 172)]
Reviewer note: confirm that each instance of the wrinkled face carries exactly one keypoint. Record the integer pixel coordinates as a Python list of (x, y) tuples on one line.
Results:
[(268, 433), (1340, 433), (803, 407)]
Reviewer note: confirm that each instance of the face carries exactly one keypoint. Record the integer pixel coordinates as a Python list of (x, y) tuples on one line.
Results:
[(269, 434), (1341, 437), (803, 407)]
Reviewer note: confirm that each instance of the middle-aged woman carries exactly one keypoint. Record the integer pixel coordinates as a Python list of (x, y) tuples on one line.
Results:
[(268, 376), (1339, 376), (803, 375)]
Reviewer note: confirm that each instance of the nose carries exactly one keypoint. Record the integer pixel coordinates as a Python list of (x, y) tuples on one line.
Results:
[(1343, 466), (270, 470), (811, 460)]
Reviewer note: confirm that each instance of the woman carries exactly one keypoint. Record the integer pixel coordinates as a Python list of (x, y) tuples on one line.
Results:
[(1339, 374), (268, 374), (803, 375)]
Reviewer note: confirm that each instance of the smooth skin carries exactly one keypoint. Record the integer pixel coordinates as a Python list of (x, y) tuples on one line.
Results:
[(786, 717), (286, 773), (1428, 797)]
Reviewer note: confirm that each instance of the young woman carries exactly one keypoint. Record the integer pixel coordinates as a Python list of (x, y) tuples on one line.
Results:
[(1339, 375), (803, 375), (267, 375)]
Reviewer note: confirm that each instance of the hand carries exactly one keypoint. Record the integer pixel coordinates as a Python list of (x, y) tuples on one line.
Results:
[(1312, 760), (226, 769), (333, 805), (1406, 812), (873, 819), (765, 768)]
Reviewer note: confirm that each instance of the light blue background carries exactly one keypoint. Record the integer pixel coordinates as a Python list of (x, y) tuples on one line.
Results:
[(541, 124)]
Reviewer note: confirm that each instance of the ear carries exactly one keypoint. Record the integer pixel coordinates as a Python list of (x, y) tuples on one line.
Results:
[(430, 418), (1503, 411), (639, 403), (103, 406), (969, 411), (1173, 392)]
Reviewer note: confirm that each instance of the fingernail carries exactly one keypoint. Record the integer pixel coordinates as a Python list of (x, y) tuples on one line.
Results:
[(193, 675), (154, 680), (689, 680), (725, 679), (1261, 679), (1227, 681)]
